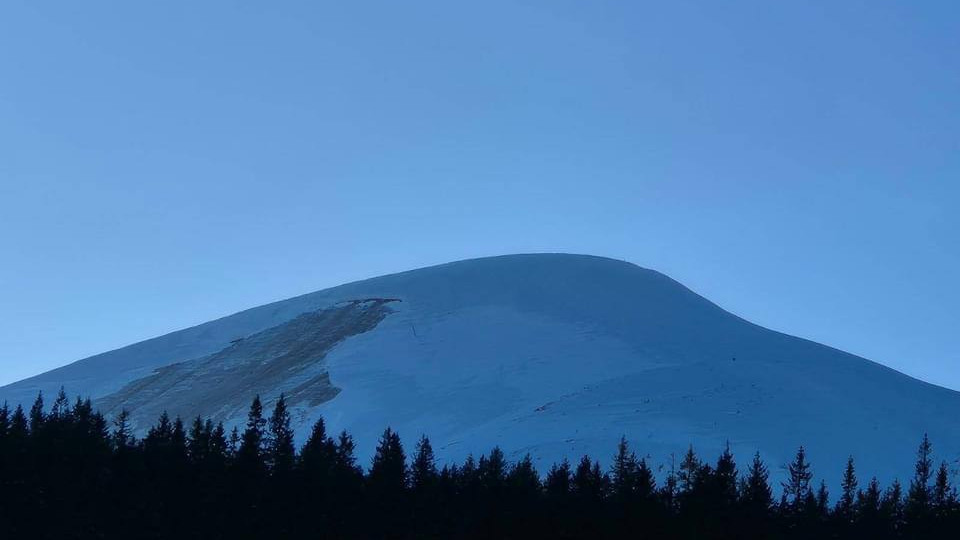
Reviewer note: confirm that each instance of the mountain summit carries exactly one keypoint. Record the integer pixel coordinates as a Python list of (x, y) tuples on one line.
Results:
[(549, 354)]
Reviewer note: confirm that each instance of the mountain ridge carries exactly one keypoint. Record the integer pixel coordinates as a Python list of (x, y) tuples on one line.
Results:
[(552, 354)]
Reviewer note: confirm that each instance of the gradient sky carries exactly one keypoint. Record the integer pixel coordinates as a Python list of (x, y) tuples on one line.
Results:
[(166, 163)]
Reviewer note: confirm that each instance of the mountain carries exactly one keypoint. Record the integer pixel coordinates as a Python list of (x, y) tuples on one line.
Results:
[(555, 355)]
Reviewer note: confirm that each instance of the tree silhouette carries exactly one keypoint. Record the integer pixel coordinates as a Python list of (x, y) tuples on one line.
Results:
[(280, 440), (846, 505), (917, 505), (796, 490), (72, 477)]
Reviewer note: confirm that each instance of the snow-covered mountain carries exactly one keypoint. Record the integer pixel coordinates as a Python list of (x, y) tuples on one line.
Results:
[(555, 355)]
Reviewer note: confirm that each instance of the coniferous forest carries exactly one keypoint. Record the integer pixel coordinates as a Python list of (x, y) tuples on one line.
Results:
[(66, 472)]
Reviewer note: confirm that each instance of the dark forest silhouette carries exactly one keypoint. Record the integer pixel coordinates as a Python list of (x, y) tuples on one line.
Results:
[(66, 473)]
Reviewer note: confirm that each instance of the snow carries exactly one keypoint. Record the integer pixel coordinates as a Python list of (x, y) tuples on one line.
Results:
[(559, 355)]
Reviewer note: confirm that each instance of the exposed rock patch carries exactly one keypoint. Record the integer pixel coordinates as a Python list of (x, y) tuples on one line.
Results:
[(289, 357)]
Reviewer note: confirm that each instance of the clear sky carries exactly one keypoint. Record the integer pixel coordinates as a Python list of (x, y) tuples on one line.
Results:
[(165, 163)]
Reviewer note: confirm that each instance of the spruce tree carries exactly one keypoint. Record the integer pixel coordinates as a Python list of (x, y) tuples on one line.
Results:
[(868, 500), (668, 491), (823, 501), (218, 449), (589, 490), (557, 483), (346, 461), (178, 438), (944, 496), (280, 439), (917, 506), (690, 469), (4, 420), (797, 487), (37, 416), (122, 433), (646, 483), (250, 454), (725, 478), (846, 505), (755, 499), (388, 472), (868, 517), (492, 470), (159, 438), (18, 424), (424, 485), (558, 500), (891, 506), (387, 481), (318, 455), (523, 479), (521, 496), (589, 481), (233, 443), (60, 410), (423, 471), (199, 441), (623, 473)]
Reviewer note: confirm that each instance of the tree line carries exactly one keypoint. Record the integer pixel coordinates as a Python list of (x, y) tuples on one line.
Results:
[(66, 472)]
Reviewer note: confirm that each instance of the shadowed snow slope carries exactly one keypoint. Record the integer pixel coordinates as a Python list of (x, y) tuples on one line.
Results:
[(555, 355)]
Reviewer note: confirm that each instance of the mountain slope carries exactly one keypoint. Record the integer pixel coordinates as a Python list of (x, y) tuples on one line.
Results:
[(556, 355)]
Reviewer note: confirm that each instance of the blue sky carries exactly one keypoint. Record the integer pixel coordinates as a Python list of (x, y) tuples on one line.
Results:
[(162, 164)]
